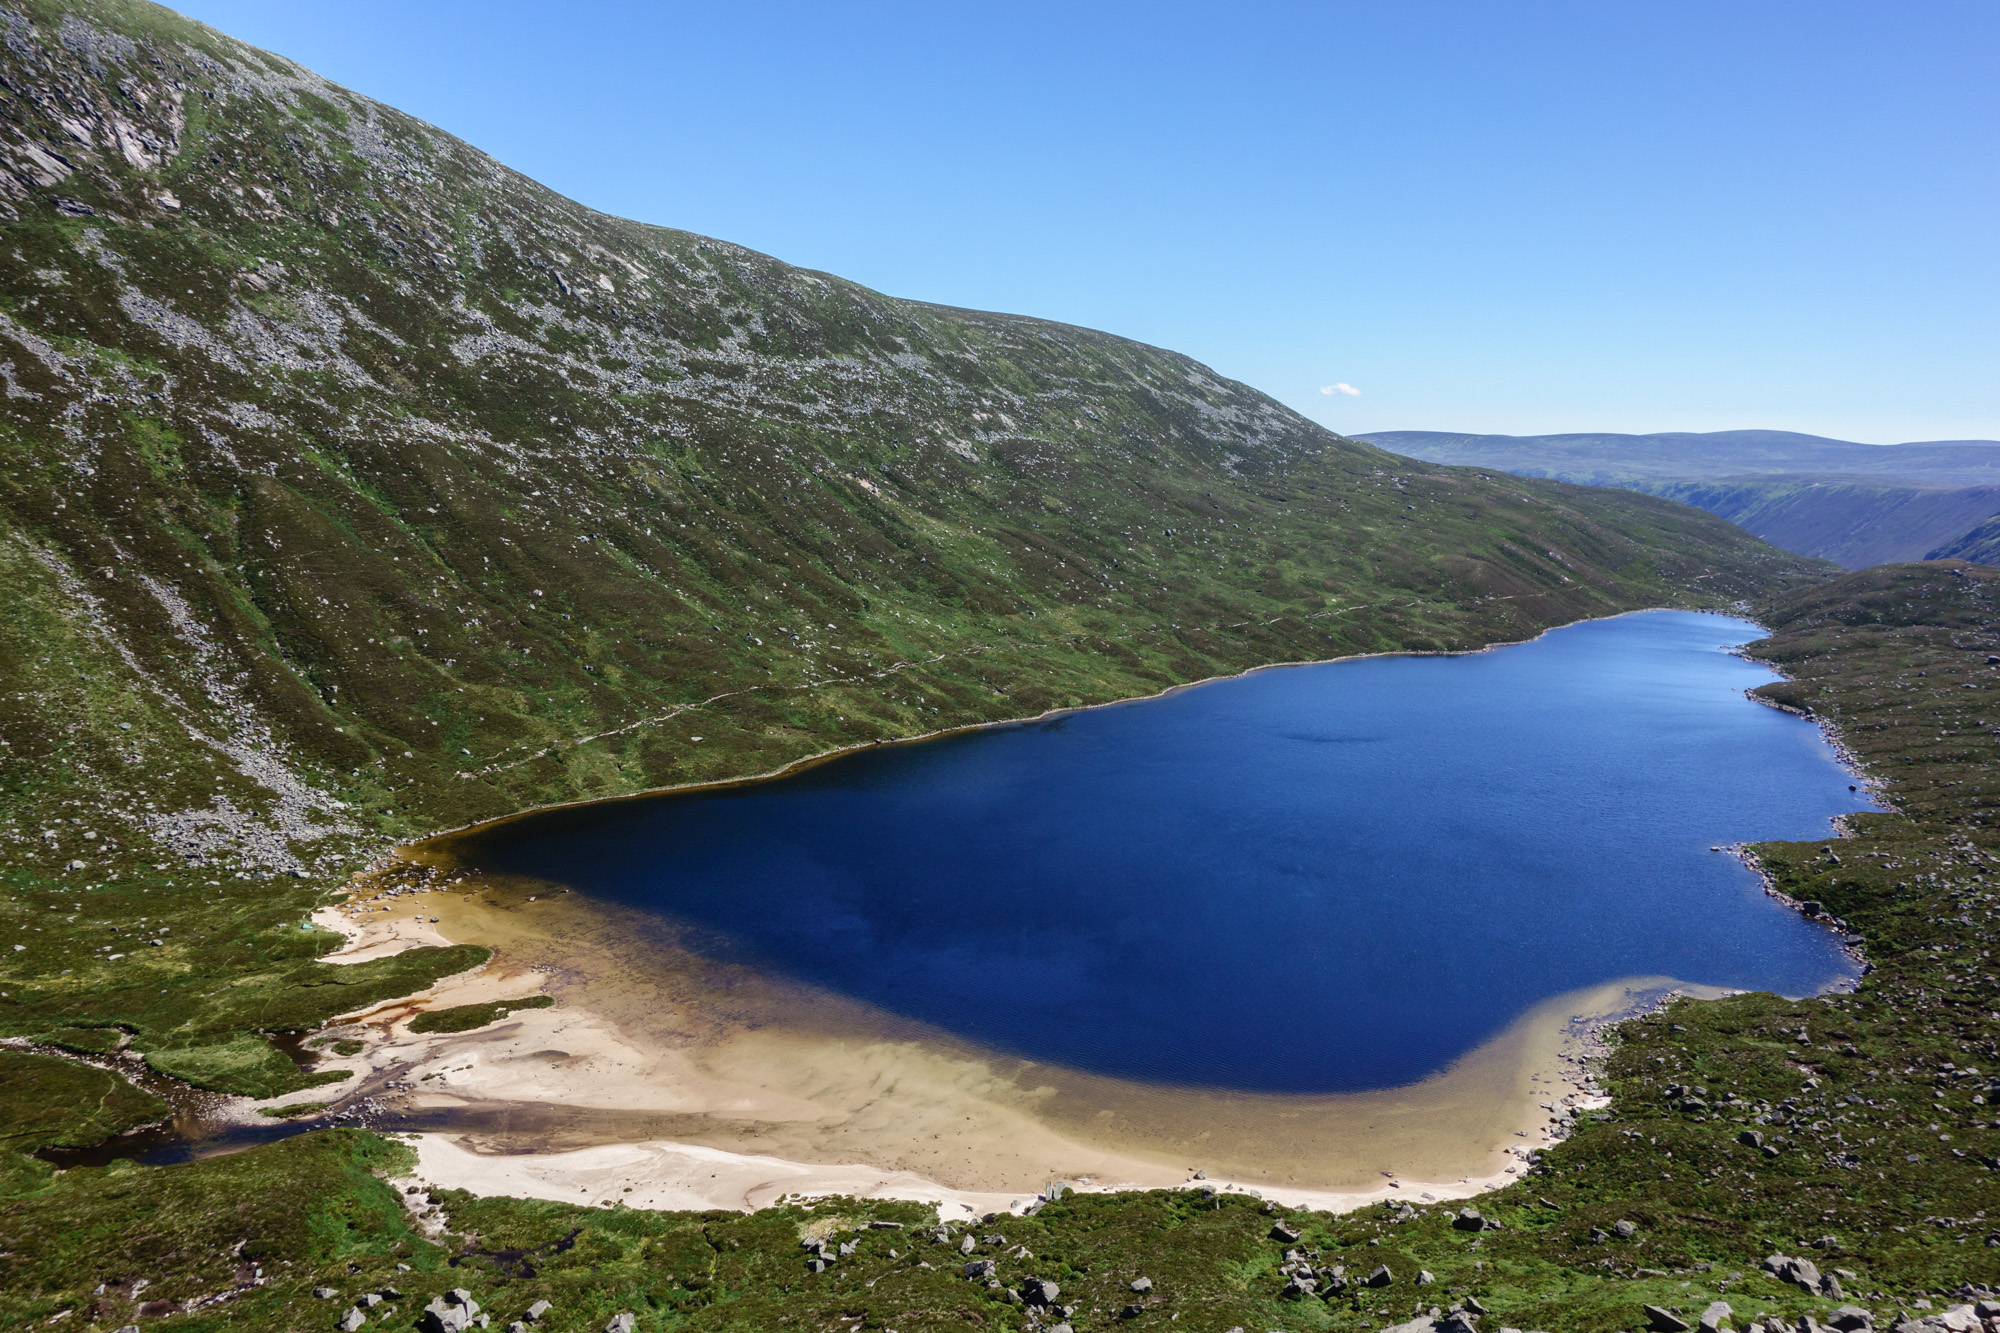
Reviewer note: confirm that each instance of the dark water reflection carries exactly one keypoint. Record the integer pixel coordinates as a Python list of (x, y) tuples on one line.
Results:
[(1313, 879)]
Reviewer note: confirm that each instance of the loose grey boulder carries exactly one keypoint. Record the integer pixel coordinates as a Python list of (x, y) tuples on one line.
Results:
[(537, 1310), (1421, 1324), (1298, 1289), (1829, 1287), (1425, 1277), (1457, 1322), (1038, 1291), (1663, 1321), (622, 1322), (352, 1320), (968, 1245), (1381, 1277), (980, 1268), (444, 1316), (1851, 1319), (1142, 1285), (1751, 1138), (1283, 1234), (1469, 1219), (1624, 1229), (1712, 1318), (324, 1293)]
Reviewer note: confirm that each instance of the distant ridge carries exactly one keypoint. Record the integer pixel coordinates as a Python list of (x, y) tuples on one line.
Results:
[(1609, 459), (1859, 504)]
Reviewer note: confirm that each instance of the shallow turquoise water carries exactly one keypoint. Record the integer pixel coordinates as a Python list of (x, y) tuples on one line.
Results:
[(1309, 879)]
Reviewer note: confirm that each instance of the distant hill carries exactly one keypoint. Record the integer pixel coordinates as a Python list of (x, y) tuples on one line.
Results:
[(1981, 545), (1858, 504)]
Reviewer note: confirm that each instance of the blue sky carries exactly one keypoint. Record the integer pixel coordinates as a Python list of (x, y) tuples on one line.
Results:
[(1517, 218)]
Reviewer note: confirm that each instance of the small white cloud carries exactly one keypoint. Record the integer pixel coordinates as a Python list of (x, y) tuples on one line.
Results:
[(1347, 389)]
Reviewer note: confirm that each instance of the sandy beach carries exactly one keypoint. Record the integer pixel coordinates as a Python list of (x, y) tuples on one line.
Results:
[(661, 1079)]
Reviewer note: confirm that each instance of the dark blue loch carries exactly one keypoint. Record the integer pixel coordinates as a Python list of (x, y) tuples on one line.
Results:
[(1309, 879)]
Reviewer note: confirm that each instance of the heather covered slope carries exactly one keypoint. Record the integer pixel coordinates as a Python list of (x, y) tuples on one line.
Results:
[(1854, 521), (1981, 545)]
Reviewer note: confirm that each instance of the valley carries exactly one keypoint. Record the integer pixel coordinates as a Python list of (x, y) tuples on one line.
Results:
[(358, 489)]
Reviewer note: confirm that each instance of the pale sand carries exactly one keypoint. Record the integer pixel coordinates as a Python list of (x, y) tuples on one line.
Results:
[(702, 1086)]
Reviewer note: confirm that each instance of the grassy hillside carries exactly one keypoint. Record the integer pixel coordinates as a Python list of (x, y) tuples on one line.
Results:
[(1981, 545), (354, 487), (1853, 521), (1858, 1132)]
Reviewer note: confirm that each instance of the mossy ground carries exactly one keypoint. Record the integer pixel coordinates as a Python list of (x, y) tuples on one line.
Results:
[(465, 1017)]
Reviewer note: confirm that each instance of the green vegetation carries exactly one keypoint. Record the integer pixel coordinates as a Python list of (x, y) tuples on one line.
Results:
[(57, 1103), (245, 1065), (353, 488), (465, 1017)]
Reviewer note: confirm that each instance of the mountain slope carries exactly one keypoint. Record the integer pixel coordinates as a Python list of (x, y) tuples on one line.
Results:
[(1981, 545), (1856, 504), (356, 487), (1617, 460), (1854, 521)]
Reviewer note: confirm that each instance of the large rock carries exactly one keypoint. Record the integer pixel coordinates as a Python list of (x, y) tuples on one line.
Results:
[(1283, 1234), (1421, 1324), (1381, 1277), (1851, 1319), (1663, 1321), (622, 1322), (1142, 1285), (980, 1268), (1785, 1268), (1715, 1316), (1039, 1291), (1469, 1219), (446, 1315)]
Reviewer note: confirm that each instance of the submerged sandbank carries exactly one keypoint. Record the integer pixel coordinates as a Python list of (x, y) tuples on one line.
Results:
[(698, 1085)]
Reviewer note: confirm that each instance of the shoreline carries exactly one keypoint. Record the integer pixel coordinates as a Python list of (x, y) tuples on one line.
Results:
[(728, 1113), (566, 1102), (479, 826)]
